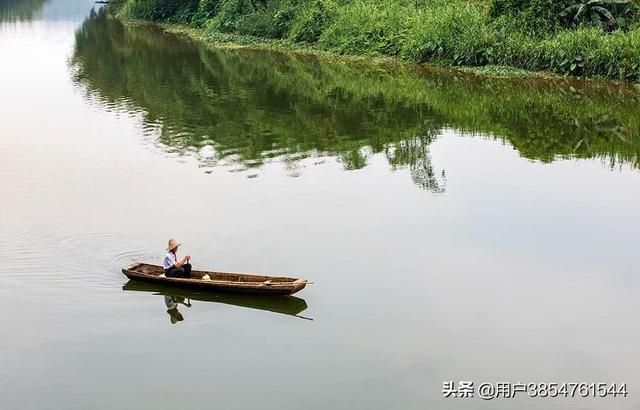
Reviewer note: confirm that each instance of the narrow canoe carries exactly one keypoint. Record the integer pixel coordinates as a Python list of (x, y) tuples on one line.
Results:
[(220, 281)]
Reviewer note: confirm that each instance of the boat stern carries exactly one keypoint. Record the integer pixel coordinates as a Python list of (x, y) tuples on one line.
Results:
[(131, 267)]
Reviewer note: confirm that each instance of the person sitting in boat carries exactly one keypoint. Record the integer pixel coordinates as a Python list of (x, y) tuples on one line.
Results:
[(172, 267)]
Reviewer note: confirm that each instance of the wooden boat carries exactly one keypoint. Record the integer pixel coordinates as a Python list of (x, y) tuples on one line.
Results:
[(286, 305), (220, 281)]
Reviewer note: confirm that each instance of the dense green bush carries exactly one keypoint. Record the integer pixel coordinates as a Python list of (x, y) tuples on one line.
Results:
[(367, 27), (582, 52), (541, 17), (209, 8), (229, 12), (537, 17), (270, 21), (459, 35), (529, 34), (311, 20), (161, 10), (587, 52), (608, 14)]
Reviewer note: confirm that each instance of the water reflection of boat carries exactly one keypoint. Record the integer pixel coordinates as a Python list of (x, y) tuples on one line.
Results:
[(287, 305)]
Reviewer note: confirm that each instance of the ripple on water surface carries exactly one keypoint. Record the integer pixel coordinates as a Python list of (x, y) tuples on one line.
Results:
[(43, 258)]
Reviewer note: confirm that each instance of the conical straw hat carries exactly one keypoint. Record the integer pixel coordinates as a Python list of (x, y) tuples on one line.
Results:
[(173, 244)]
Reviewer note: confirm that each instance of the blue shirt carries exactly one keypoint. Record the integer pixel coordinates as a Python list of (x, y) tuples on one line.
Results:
[(170, 259)]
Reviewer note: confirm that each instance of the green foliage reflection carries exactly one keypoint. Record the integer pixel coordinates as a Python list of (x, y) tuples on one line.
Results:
[(11, 10), (249, 106)]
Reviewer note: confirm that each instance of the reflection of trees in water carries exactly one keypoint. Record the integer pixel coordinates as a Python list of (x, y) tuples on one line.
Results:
[(414, 154), (244, 107), (19, 9)]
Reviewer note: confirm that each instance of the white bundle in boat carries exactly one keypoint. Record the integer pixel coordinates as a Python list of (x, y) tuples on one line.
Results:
[(206, 277)]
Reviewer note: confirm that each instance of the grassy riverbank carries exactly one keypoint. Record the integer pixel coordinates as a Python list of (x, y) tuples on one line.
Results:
[(524, 34)]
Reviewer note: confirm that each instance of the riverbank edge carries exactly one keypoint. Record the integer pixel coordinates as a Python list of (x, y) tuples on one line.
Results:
[(216, 39)]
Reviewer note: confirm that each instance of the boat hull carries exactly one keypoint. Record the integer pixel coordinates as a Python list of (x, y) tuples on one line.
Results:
[(221, 281)]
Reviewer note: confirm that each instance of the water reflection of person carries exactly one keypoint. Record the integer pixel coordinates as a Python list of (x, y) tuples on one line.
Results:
[(172, 307)]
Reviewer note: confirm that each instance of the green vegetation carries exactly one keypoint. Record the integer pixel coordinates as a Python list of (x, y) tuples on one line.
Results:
[(243, 107), (596, 38)]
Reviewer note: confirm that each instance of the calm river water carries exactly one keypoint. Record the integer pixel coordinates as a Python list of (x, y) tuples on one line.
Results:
[(456, 228)]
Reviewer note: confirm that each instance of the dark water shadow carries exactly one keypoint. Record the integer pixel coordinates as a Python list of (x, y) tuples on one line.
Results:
[(286, 305)]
